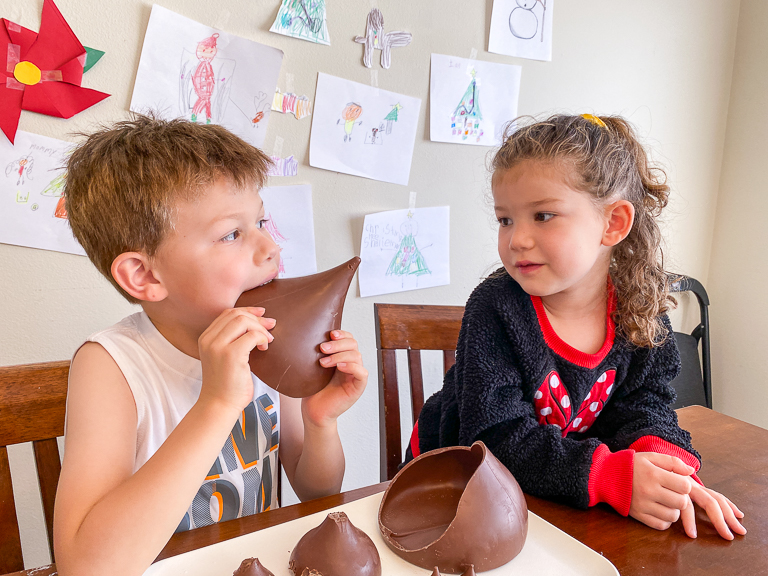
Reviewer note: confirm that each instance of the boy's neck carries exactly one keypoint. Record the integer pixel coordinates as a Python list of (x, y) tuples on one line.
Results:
[(182, 337)]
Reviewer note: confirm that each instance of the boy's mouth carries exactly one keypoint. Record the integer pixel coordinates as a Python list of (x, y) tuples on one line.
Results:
[(267, 281)]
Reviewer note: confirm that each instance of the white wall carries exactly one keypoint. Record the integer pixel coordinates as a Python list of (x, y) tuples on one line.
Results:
[(664, 64), (738, 274)]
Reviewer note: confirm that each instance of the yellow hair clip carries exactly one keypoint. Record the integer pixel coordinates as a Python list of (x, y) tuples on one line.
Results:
[(594, 119)]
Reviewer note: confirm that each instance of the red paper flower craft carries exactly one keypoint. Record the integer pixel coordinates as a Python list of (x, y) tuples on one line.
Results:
[(43, 71)]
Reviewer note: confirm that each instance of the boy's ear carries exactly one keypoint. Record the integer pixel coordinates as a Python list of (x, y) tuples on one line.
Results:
[(619, 217), (133, 272)]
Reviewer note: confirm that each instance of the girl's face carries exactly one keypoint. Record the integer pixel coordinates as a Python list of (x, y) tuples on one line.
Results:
[(551, 236)]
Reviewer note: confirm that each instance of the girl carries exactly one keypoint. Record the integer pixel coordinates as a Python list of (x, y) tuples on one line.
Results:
[(565, 354)]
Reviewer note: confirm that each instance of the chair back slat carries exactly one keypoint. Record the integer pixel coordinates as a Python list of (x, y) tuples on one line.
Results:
[(417, 382), (11, 559), (412, 328), (48, 464)]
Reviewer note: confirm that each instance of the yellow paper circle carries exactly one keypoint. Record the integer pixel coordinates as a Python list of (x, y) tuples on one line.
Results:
[(27, 73)]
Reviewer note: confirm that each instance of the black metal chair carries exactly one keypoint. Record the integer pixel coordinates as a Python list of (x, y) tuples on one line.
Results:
[(694, 383)]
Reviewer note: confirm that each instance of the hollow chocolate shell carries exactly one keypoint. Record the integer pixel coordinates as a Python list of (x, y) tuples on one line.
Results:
[(306, 310), (452, 508), (335, 548), (251, 567)]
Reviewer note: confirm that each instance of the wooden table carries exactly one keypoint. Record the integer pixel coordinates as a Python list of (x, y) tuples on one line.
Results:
[(735, 458)]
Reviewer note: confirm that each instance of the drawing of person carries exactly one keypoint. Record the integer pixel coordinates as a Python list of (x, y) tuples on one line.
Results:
[(523, 23), (203, 79), (23, 167), (351, 112)]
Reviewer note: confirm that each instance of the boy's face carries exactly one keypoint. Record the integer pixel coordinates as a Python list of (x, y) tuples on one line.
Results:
[(218, 248)]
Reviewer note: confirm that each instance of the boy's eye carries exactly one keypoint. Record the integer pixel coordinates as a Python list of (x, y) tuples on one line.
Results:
[(544, 216), (263, 222), (504, 221), (232, 236)]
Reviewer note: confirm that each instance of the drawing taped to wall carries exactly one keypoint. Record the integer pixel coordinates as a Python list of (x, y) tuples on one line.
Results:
[(205, 75), (304, 19), (471, 101), (376, 39), (284, 166), (32, 209), (522, 28), (404, 250), (278, 238), (362, 130), (299, 106), (291, 225)]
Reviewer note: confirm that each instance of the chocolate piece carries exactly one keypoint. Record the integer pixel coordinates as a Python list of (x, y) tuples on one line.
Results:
[(453, 507), (306, 310), (335, 548), (252, 567), (469, 571)]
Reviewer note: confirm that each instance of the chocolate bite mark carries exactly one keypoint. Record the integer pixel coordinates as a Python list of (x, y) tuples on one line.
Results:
[(251, 567)]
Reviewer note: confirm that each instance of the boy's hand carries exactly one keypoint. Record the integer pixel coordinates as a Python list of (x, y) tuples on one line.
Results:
[(660, 488), (224, 350), (347, 383), (722, 512)]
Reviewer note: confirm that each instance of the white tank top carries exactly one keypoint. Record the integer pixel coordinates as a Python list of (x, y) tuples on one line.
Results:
[(165, 384)]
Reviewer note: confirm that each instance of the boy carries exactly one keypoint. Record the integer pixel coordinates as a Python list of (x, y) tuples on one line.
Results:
[(170, 214)]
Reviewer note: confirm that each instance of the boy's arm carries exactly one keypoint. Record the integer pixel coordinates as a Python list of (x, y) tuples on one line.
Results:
[(310, 448), (109, 520)]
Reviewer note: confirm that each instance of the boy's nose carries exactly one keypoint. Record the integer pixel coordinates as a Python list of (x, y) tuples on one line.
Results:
[(266, 249)]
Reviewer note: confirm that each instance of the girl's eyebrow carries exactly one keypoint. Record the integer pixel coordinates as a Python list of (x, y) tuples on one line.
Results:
[(545, 201)]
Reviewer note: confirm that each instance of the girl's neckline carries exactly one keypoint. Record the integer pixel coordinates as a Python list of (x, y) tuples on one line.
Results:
[(565, 350)]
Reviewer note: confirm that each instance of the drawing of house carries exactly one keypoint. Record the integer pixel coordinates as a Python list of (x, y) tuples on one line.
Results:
[(466, 118)]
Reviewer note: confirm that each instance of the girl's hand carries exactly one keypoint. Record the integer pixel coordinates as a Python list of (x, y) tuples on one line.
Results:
[(722, 512), (224, 350), (660, 488), (347, 383)]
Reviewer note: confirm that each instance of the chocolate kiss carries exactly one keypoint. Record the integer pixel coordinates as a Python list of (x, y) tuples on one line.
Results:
[(251, 567), (453, 507), (306, 310), (335, 548)]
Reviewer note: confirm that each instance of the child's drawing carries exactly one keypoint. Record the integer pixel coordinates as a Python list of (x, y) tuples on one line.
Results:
[(61, 209), (205, 75), (299, 106), (362, 130), (22, 197), (522, 28), (290, 224), (349, 115), (466, 118), (408, 261), (404, 250), (55, 187), (304, 19), (21, 168), (284, 166), (376, 39), (205, 82), (271, 226), (489, 95)]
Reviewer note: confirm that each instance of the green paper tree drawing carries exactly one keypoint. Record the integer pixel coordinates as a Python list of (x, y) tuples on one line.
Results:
[(408, 260), (466, 118)]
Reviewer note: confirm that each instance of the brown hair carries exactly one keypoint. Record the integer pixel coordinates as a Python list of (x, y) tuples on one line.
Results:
[(122, 181), (609, 162)]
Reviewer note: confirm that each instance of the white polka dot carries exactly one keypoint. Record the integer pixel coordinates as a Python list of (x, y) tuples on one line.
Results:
[(588, 395), (576, 422), (565, 402), (538, 395), (554, 381), (597, 413), (603, 377), (583, 428), (593, 406), (546, 411), (557, 426), (608, 390)]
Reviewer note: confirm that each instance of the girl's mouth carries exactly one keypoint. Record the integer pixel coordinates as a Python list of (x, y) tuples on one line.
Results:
[(527, 267)]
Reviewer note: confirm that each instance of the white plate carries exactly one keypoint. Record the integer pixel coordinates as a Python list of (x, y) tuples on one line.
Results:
[(547, 551)]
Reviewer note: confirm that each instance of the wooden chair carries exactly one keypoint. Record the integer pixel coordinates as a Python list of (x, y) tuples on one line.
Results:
[(412, 328), (32, 405)]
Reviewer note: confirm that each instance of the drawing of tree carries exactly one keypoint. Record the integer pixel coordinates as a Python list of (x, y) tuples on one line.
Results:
[(408, 260), (465, 120), (392, 116)]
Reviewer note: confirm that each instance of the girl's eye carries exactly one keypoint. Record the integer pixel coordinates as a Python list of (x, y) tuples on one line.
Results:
[(262, 223), (232, 236), (504, 221), (544, 216)]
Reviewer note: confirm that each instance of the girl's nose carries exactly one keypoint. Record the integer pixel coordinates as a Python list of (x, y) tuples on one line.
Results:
[(520, 238)]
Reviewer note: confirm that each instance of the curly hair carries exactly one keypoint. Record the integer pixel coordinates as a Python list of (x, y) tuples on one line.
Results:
[(608, 162)]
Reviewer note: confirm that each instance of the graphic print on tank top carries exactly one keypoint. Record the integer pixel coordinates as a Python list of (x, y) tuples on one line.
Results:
[(240, 482), (553, 404)]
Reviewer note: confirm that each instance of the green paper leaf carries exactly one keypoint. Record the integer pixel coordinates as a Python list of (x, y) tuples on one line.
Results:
[(92, 56)]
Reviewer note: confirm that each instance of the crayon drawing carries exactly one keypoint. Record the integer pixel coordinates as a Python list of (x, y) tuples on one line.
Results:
[(188, 70), (523, 22), (21, 169), (299, 106), (271, 226), (376, 39), (466, 118), (404, 250), (352, 111), (522, 28), (290, 223), (304, 19), (284, 166)]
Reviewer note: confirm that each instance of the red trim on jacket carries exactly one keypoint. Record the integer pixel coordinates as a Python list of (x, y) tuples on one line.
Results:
[(562, 348), (610, 479), (661, 446), (415, 440)]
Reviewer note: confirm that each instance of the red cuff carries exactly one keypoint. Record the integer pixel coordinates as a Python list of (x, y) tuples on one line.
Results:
[(610, 478), (656, 444), (415, 440)]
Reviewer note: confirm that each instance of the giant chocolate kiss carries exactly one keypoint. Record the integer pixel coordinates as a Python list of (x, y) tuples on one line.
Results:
[(306, 310), (452, 508)]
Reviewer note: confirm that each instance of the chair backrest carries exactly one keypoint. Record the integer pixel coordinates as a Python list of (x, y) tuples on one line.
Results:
[(413, 328), (694, 384), (32, 405)]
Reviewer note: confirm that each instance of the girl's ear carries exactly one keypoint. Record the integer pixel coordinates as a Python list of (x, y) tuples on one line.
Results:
[(619, 217), (133, 272)]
